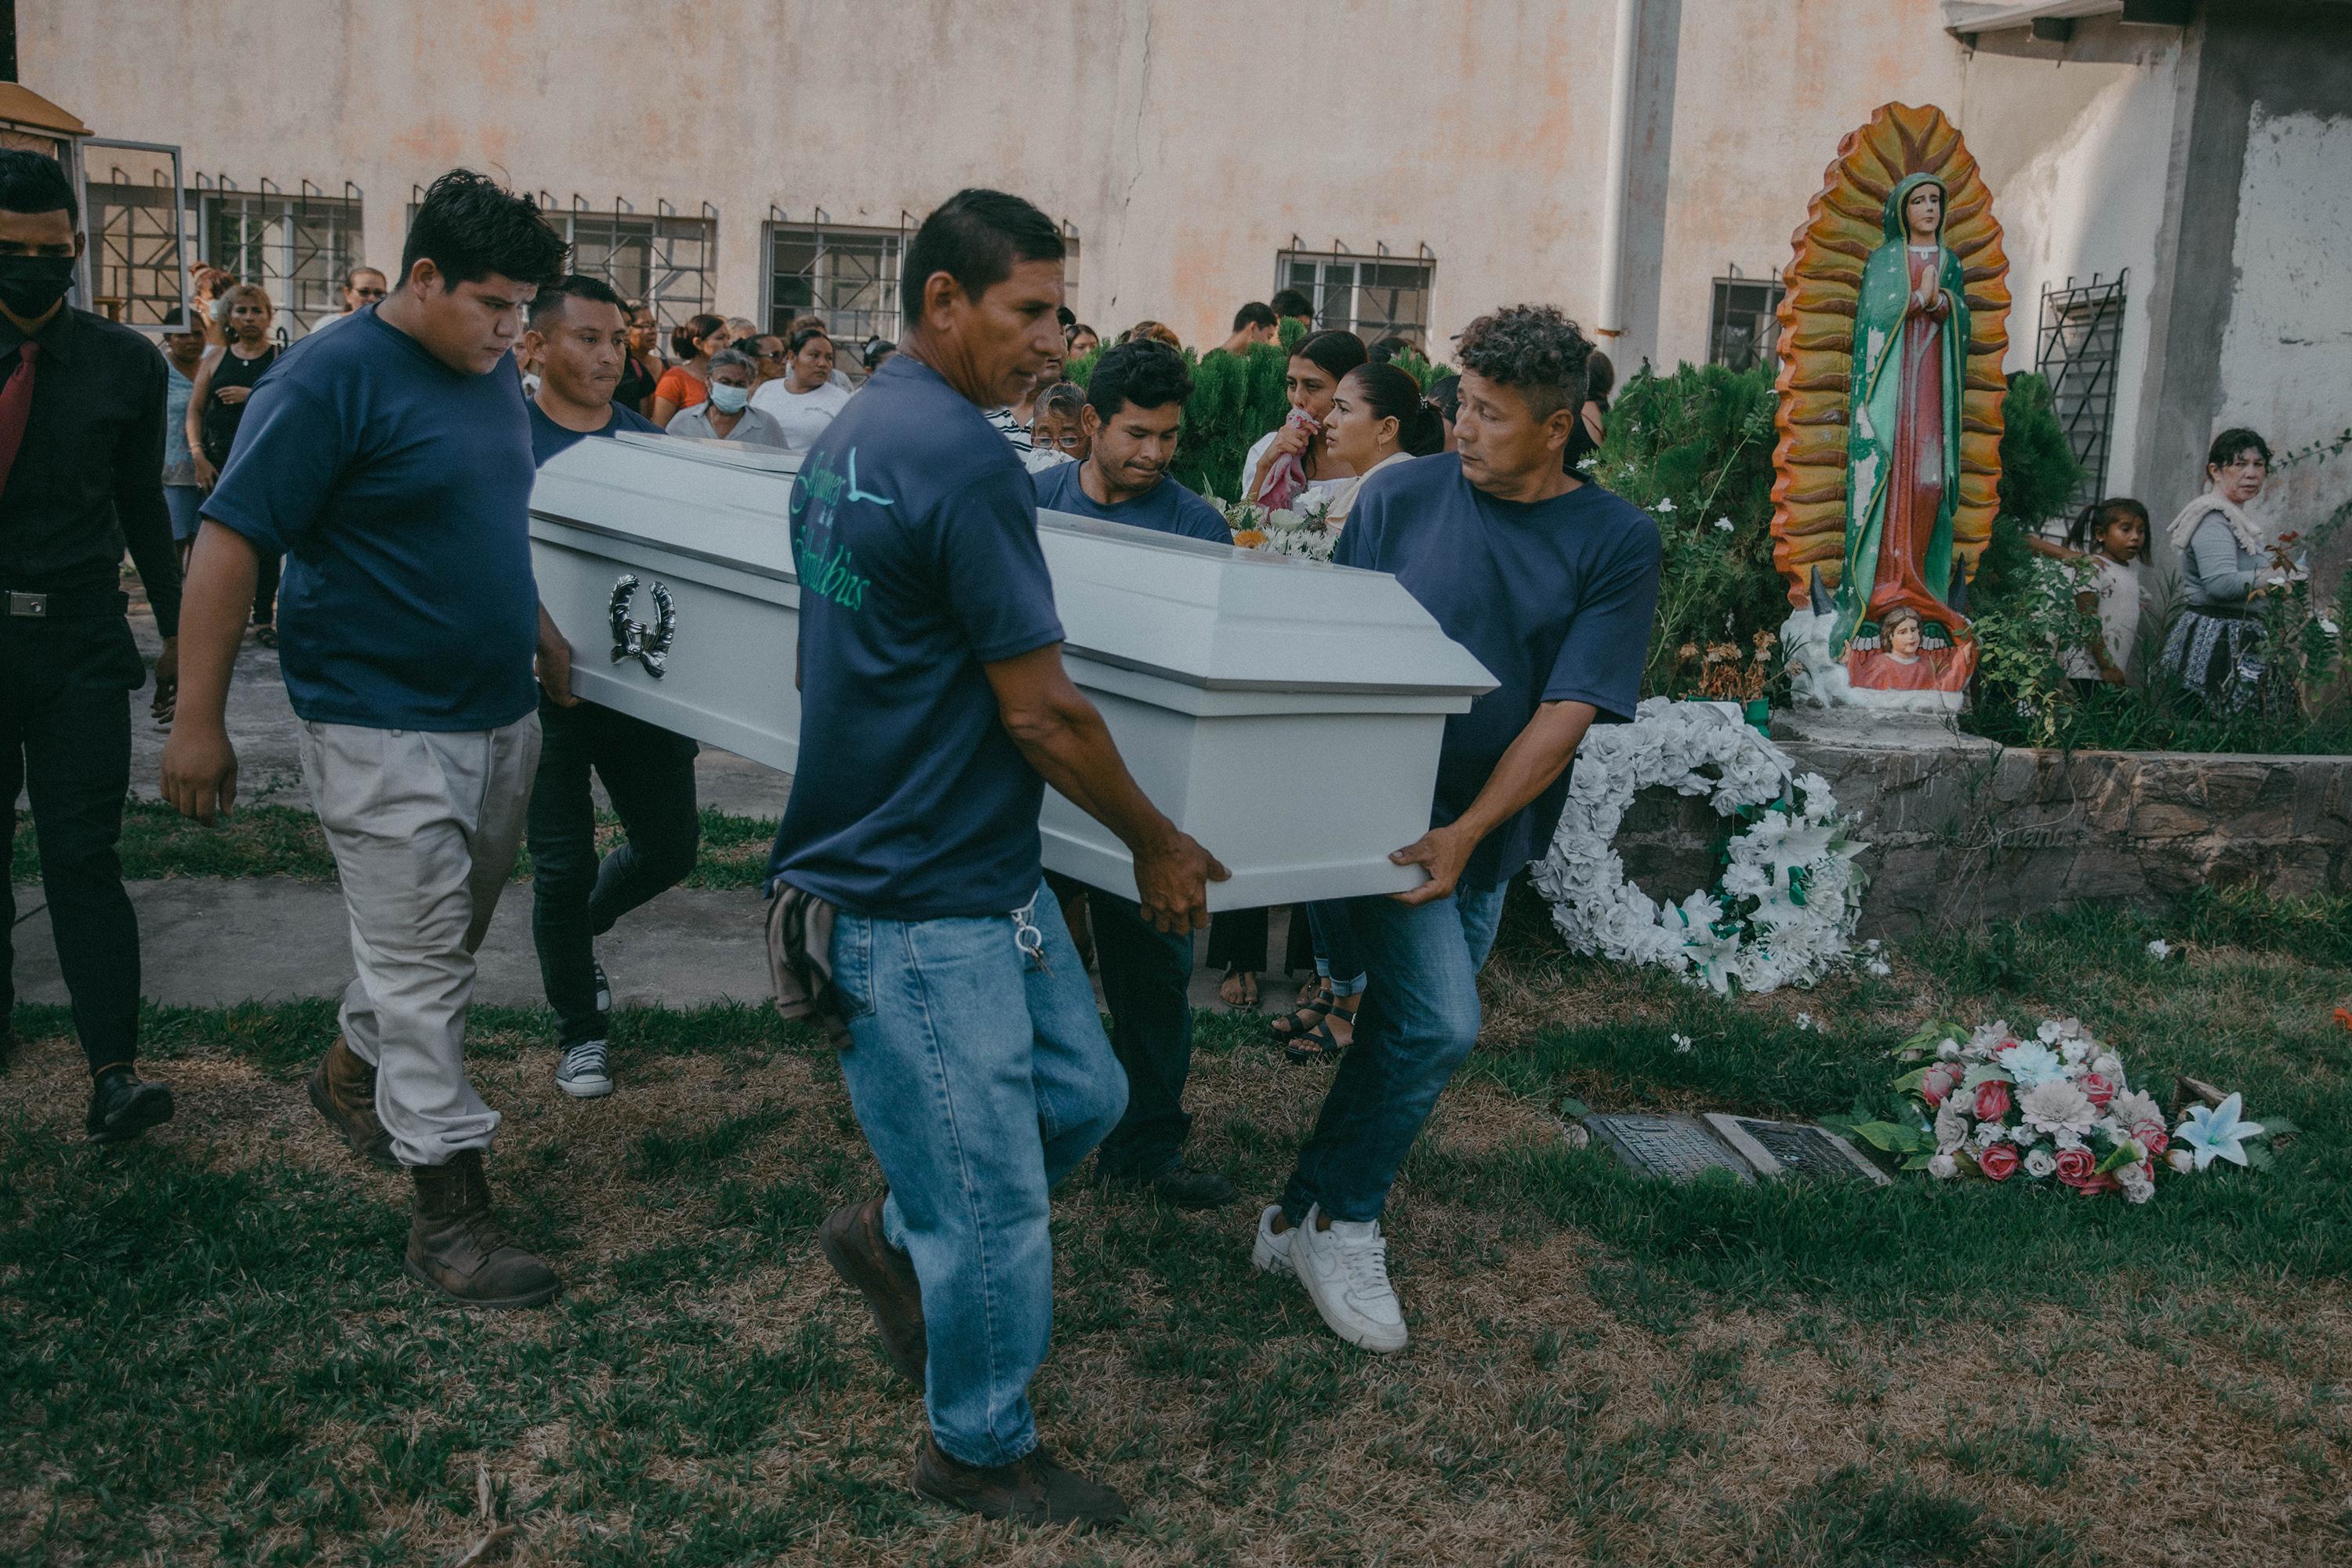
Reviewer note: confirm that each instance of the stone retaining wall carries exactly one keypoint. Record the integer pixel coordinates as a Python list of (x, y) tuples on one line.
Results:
[(1963, 830)]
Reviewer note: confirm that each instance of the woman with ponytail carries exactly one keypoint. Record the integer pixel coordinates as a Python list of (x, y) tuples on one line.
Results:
[(1291, 462), (1378, 417)]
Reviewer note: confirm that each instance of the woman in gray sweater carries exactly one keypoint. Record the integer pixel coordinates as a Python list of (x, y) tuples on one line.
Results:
[(2215, 646)]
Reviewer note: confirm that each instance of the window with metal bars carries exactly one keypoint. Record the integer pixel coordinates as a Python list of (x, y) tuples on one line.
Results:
[(2075, 348), (846, 276), (131, 210), (1741, 326), (665, 259), (1373, 296), (297, 244)]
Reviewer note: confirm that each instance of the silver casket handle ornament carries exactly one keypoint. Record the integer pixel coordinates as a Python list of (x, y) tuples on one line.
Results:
[(648, 644)]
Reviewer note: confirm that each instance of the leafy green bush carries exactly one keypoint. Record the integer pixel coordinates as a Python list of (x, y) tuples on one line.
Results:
[(1694, 450)]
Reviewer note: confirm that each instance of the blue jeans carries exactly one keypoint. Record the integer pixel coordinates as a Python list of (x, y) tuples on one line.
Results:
[(1418, 1021), (1339, 957), (980, 1075)]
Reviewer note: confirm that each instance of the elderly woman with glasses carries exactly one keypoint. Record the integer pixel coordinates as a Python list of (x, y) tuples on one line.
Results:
[(2226, 566)]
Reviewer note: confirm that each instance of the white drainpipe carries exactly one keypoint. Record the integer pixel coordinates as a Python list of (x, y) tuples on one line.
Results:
[(1610, 322)]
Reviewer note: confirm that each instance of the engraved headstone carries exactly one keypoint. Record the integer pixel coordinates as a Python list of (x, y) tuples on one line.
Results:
[(1675, 1147), (1794, 1149)]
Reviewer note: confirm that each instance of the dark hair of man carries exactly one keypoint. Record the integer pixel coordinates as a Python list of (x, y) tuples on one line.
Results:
[(1388, 348), (469, 227), (1391, 394), (683, 336), (2228, 447), (32, 183), (1334, 353), (2097, 518), (1444, 395), (573, 286), (1600, 379), (877, 350), (805, 336), (1533, 348), (1253, 314), (1065, 316), (976, 236), (1146, 373), (1291, 303)]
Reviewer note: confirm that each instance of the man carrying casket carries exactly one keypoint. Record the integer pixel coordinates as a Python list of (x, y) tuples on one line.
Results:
[(934, 710), (1552, 583)]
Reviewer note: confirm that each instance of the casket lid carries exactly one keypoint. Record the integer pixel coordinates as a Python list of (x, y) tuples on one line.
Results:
[(1210, 615)]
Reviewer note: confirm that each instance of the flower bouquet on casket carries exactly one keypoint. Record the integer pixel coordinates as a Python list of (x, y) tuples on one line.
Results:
[(2055, 1106), (1307, 533)]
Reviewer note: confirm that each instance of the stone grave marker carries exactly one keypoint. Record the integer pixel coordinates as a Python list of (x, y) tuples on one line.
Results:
[(1675, 1147), (1794, 1149)]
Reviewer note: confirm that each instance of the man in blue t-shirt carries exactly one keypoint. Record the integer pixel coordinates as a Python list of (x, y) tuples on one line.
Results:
[(1552, 583), (934, 711), (1135, 402), (389, 460), (579, 338)]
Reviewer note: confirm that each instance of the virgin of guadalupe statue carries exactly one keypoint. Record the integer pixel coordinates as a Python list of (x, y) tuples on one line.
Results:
[(1903, 446), (1892, 330)]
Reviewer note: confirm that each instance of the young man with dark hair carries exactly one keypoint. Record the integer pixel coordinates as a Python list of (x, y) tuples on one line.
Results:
[(579, 338), (392, 462), (1552, 584), (1290, 305), (1252, 324), (934, 711), (1135, 403), (362, 286), (81, 477)]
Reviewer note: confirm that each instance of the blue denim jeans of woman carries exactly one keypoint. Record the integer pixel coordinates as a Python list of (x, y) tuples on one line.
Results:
[(1339, 957), (1419, 1019), (978, 1068)]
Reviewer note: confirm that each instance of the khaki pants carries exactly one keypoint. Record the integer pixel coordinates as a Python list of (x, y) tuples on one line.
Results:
[(423, 827)]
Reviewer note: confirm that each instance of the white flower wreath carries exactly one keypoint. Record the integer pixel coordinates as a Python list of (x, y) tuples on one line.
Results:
[(1784, 912)]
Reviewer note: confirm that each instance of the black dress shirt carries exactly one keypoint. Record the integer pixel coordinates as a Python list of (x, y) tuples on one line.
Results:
[(89, 479)]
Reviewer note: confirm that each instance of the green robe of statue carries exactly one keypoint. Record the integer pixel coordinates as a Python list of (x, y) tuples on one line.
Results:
[(1895, 444)]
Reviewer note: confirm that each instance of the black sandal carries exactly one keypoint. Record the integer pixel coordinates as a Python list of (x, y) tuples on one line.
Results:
[(1317, 1045), (1232, 971), (1309, 1017)]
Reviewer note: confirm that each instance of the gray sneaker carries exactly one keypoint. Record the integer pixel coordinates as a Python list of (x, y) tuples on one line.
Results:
[(585, 1073)]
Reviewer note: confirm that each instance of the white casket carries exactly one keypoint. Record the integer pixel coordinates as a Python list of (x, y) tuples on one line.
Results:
[(1286, 713)]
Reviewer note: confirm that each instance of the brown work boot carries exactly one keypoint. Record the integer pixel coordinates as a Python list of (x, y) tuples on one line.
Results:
[(454, 1247), (343, 1086), (1031, 1489), (853, 1244)]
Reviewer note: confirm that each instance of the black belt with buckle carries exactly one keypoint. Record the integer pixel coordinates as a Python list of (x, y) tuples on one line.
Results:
[(70, 604)]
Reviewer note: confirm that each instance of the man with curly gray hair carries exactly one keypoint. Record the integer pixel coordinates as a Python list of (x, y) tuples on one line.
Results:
[(1553, 583)]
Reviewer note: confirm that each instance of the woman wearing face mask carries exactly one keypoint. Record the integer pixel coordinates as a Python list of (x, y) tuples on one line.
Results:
[(1058, 435), (1317, 366), (1378, 417), (805, 399), (216, 403), (727, 415), (686, 382)]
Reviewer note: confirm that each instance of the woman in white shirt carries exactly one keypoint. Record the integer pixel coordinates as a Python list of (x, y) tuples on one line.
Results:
[(1377, 416), (805, 399)]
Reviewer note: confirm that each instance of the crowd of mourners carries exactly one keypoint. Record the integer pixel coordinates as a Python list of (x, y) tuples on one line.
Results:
[(359, 500)]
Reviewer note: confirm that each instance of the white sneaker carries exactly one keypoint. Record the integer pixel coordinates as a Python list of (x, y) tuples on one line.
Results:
[(584, 1073), (1272, 1253), (1346, 1272)]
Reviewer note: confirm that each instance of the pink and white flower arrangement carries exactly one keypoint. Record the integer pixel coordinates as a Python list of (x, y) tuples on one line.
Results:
[(2049, 1105)]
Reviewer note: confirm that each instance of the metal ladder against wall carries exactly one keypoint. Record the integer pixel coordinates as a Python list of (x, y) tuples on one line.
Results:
[(2076, 345)]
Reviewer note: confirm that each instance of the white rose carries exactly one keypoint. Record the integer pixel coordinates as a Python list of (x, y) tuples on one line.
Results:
[(2182, 1160), (2040, 1163), (1942, 1167)]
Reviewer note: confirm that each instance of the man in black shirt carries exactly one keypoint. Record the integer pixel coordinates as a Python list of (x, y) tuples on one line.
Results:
[(81, 473)]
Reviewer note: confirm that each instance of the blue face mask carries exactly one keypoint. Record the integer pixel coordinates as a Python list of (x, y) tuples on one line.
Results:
[(729, 399)]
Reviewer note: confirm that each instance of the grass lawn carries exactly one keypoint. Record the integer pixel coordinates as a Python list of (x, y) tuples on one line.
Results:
[(207, 1351)]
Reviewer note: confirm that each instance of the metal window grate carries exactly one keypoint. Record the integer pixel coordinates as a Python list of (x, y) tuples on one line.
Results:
[(1740, 327), (132, 205), (846, 276), (2075, 348), (665, 259), (1374, 296), (296, 243)]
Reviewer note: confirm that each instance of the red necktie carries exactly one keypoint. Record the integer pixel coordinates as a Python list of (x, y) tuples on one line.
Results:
[(16, 407)]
